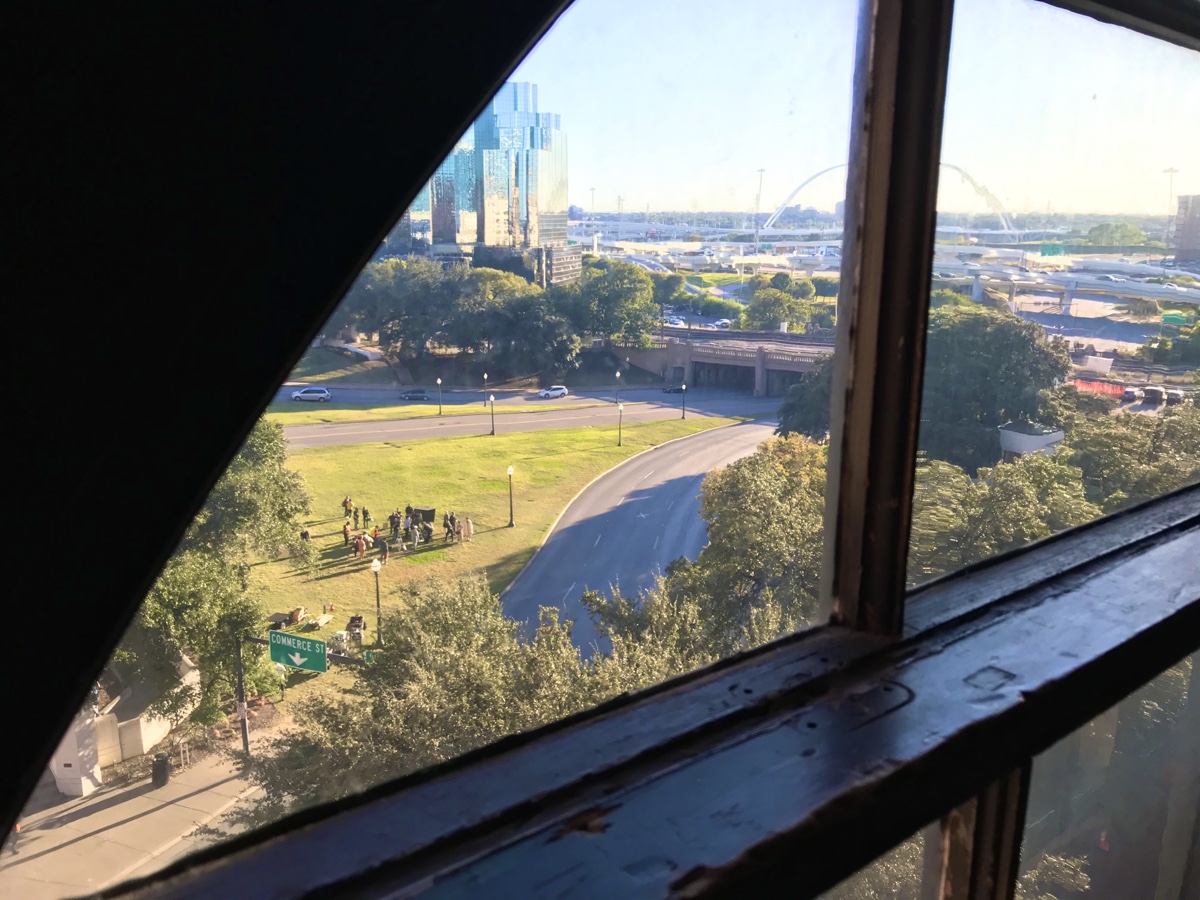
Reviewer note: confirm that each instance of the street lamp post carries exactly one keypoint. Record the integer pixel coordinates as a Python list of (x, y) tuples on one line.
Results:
[(439, 382), (375, 567), (511, 523), (683, 401), (492, 400), (620, 421), (618, 400), (485, 393)]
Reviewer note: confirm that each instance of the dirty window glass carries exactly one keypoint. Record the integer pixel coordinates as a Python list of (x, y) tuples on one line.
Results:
[(529, 464), (1061, 357)]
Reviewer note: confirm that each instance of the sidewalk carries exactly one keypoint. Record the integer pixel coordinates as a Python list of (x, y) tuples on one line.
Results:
[(83, 844)]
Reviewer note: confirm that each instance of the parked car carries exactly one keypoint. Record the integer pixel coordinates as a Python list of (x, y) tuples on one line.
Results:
[(553, 392), (1155, 395), (1132, 395), (723, 323), (1174, 397), (1175, 287), (415, 394), (314, 394), (1113, 278), (673, 389)]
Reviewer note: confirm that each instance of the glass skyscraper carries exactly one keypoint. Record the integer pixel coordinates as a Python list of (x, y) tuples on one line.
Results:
[(505, 183)]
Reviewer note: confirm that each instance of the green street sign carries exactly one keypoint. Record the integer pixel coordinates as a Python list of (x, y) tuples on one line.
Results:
[(1052, 250), (298, 652)]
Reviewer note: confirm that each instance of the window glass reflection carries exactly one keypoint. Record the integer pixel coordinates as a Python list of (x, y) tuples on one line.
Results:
[(1061, 357)]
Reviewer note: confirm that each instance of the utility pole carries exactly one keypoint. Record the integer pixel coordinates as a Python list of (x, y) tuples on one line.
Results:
[(757, 201), (241, 699)]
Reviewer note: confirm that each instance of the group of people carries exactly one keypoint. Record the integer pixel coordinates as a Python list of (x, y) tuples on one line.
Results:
[(407, 528)]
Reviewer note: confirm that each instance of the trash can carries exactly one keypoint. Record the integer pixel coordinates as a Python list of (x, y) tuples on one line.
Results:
[(160, 770)]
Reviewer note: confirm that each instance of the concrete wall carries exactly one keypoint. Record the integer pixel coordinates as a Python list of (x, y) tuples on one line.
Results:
[(140, 735), (108, 740), (75, 764)]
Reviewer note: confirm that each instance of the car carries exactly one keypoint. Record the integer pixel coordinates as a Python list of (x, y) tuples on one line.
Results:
[(984, 278), (1113, 278), (415, 394), (313, 394), (552, 392), (1132, 395), (1175, 287), (673, 389), (723, 323), (1175, 397)]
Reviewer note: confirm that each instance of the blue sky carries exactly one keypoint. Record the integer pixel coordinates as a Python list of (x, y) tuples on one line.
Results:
[(678, 103)]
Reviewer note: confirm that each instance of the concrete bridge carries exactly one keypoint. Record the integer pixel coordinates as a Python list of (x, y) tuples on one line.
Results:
[(769, 367)]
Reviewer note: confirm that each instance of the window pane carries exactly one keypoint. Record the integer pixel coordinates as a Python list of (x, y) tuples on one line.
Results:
[(897, 875), (1112, 807), (535, 440), (1061, 361)]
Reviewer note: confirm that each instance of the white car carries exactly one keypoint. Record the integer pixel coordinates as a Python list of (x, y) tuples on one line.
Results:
[(1175, 287), (315, 394), (553, 392)]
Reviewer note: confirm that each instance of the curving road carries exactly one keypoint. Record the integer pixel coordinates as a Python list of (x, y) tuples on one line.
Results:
[(627, 526)]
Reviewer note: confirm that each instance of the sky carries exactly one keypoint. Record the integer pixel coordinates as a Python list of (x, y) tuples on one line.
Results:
[(676, 104)]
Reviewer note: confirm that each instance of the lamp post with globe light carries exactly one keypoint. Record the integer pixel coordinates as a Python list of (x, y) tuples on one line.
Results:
[(485, 388), (620, 421), (492, 401), (618, 400), (683, 401), (439, 384)]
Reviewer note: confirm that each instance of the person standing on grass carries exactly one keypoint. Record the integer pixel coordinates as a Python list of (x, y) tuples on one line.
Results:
[(384, 549), (347, 505), (356, 518), (453, 526), (468, 529), (375, 532), (346, 533), (458, 530), (367, 520), (446, 527)]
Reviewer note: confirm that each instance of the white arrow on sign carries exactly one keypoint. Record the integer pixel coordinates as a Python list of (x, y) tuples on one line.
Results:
[(297, 658)]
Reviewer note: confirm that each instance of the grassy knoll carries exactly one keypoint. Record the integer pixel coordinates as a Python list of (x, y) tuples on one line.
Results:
[(290, 413), (334, 367), (714, 279), (465, 474)]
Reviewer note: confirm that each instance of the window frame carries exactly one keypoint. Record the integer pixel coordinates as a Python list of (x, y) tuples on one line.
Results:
[(427, 833)]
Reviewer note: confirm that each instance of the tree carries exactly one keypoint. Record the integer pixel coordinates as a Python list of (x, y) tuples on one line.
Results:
[(983, 368), (825, 287), (200, 603), (666, 287), (756, 579), (802, 289), (781, 281), (455, 675), (805, 408), (942, 297), (1116, 234), (621, 304), (769, 308)]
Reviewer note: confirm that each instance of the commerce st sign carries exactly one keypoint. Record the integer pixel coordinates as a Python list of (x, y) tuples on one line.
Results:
[(297, 652)]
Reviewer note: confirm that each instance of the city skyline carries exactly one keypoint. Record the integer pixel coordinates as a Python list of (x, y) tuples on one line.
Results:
[(1035, 109)]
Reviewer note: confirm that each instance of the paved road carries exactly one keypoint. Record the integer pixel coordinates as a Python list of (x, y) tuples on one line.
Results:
[(665, 406), (628, 526)]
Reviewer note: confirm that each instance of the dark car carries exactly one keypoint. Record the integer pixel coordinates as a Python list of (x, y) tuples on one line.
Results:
[(416, 394), (673, 389)]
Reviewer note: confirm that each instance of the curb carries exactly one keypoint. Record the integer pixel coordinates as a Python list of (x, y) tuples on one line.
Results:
[(562, 512)]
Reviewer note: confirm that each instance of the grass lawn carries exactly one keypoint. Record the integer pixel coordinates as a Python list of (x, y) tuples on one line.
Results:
[(464, 474), (714, 279), (291, 413), (331, 366)]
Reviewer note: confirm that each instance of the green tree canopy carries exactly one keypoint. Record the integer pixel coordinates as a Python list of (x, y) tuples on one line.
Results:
[(621, 304), (201, 600), (805, 407), (1116, 234), (769, 308), (983, 368)]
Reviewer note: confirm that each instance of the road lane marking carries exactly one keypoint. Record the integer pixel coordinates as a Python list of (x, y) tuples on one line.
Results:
[(566, 592), (647, 475), (655, 547), (672, 503), (597, 544), (642, 516)]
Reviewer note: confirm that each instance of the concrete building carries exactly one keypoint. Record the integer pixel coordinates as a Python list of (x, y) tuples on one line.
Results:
[(1187, 230)]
